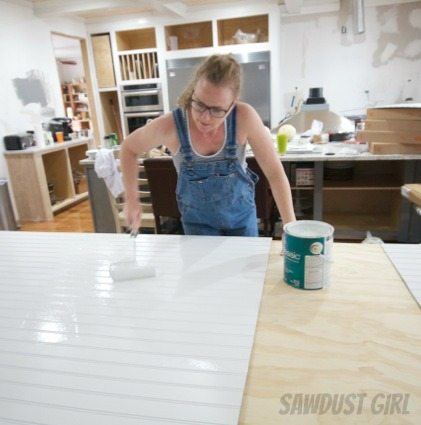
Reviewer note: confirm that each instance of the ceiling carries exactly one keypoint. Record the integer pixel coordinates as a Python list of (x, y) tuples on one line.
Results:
[(91, 10), (99, 10)]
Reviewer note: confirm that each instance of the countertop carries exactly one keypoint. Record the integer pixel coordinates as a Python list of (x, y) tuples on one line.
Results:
[(337, 149), (37, 150)]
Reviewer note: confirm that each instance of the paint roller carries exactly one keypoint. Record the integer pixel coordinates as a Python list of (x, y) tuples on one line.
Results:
[(129, 269)]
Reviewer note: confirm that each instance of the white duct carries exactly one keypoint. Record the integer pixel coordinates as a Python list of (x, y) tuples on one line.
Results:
[(359, 17)]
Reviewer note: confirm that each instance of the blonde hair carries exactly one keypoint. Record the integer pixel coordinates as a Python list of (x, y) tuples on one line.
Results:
[(220, 70)]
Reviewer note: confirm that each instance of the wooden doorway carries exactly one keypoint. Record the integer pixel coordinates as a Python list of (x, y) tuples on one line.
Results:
[(71, 55)]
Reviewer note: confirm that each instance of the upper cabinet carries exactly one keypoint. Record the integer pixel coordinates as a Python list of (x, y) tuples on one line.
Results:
[(103, 59), (189, 36), (136, 39), (137, 54), (245, 30), (136, 50), (250, 29)]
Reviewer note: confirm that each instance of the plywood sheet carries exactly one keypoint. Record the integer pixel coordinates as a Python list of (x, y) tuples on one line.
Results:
[(77, 348)]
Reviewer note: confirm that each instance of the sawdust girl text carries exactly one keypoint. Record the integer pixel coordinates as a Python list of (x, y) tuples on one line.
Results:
[(344, 404)]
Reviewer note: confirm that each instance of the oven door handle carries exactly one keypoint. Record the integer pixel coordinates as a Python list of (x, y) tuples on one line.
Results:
[(140, 93), (142, 114)]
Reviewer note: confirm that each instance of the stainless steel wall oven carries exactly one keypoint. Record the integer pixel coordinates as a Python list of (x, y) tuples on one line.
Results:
[(141, 103)]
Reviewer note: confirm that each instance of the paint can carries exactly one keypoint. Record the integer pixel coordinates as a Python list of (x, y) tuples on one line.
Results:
[(307, 253)]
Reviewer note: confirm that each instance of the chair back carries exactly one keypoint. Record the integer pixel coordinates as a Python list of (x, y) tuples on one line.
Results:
[(263, 197), (117, 204), (162, 179)]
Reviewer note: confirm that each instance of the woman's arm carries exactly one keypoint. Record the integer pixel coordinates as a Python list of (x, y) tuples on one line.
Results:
[(161, 131), (261, 143)]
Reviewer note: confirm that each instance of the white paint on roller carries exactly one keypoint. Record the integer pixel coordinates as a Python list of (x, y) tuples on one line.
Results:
[(127, 270)]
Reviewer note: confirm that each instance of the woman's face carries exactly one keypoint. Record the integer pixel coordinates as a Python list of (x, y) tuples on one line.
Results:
[(210, 105)]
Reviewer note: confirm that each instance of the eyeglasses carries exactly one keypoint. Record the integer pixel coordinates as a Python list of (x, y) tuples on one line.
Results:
[(214, 111)]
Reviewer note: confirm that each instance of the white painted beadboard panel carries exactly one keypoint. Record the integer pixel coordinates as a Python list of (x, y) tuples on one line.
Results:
[(77, 348), (407, 260)]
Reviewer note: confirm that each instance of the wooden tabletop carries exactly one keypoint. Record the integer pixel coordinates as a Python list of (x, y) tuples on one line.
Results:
[(359, 339)]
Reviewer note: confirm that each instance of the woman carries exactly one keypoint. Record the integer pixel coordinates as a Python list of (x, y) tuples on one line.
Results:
[(207, 138)]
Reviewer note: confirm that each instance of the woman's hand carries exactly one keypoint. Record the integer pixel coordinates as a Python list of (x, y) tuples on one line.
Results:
[(133, 214), (282, 247)]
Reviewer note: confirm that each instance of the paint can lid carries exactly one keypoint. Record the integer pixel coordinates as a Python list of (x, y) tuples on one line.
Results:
[(309, 229)]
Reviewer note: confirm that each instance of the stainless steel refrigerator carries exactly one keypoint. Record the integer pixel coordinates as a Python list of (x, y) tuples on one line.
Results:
[(255, 84)]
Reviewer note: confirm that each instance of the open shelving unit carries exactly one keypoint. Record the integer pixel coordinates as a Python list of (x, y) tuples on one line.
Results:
[(189, 36), (36, 173), (366, 197), (75, 97), (369, 200), (142, 38), (258, 25), (137, 54)]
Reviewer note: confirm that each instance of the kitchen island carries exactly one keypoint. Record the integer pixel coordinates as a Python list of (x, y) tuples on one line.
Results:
[(76, 347), (355, 193)]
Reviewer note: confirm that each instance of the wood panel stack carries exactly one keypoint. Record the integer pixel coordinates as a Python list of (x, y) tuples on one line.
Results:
[(393, 130)]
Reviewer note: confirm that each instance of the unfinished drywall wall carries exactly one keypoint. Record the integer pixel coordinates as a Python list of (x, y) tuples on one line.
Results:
[(380, 66)]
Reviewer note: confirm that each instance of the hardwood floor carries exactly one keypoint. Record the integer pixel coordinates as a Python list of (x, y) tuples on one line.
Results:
[(75, 219)]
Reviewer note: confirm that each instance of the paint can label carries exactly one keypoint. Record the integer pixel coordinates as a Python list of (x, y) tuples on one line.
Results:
[(308, 254)]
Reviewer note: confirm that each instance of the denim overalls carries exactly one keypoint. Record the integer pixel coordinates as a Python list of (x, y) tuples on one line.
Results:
[(215, 197)]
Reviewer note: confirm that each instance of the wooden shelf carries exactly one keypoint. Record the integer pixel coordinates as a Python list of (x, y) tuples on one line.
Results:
[(189, 36), (258, 25), (75, 97), (68, 202), (377, 182), (362, 210), (143, 38), (346, 221)]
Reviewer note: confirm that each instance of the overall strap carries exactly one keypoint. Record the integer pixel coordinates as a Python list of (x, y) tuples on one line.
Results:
[(180, 124), (231, 145)]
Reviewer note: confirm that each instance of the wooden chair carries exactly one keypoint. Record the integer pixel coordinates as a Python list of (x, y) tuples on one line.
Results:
[(117, 205), (265, 204), (162, 178)]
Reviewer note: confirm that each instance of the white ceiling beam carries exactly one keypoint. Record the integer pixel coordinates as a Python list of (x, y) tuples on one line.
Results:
[(177, 7), (65, 7)]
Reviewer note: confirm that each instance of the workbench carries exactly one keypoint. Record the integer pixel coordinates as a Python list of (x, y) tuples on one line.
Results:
[(78, 348)]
